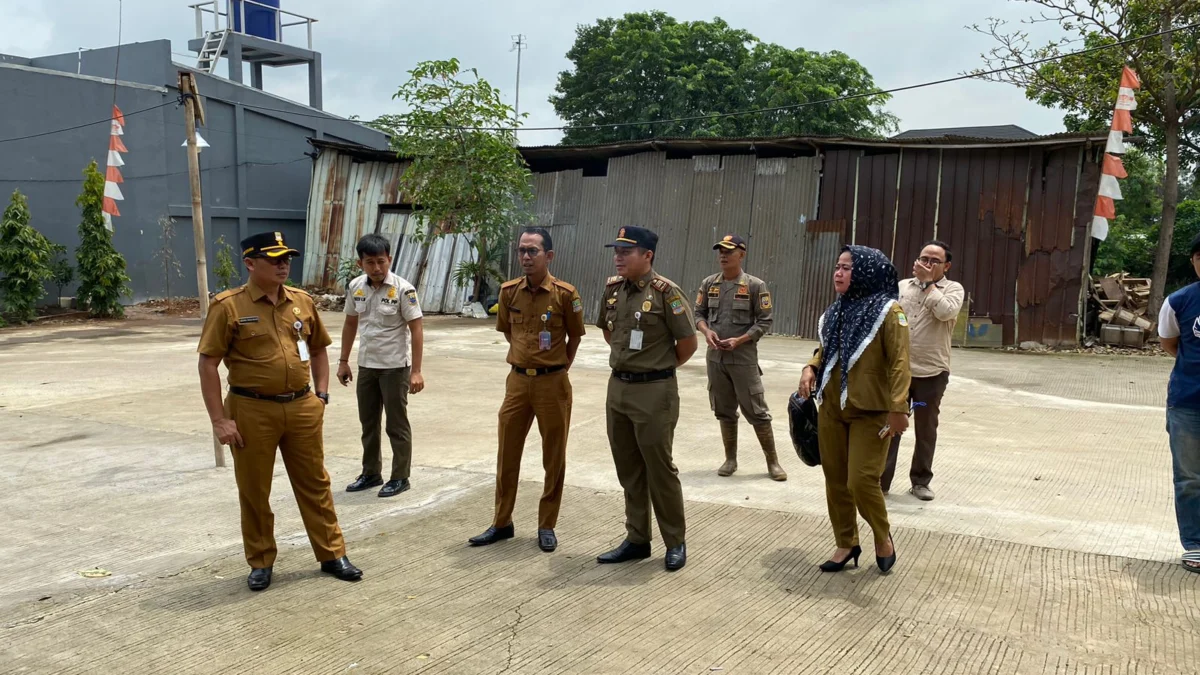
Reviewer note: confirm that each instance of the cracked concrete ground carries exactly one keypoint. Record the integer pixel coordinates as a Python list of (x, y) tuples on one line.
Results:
[(1051, 547)]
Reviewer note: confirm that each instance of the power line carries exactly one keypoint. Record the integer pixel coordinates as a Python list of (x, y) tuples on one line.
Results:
[(793, 106), (106, 120), (156, 175)]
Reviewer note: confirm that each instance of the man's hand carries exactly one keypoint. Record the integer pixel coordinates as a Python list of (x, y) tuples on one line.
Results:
[(714, 342), (808, 382), (730, 344), (344, 375), (416, 383), (922, 273), (897, 424), (227, 433)]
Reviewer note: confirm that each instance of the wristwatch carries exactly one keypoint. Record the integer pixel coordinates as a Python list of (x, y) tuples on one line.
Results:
[(925, 285), (324, 397)]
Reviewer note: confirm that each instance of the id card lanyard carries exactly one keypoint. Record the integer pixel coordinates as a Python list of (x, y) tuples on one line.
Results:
[(544, 336), (636, 335), (300, 343)]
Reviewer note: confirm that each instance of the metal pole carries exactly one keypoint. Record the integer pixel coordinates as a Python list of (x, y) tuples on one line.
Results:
[(520, 45)]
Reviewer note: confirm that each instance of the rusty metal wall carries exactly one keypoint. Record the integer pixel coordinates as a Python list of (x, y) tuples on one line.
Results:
[(1016, 219)]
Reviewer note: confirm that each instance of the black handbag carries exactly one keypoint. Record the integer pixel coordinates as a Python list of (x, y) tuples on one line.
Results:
[(802, 422)]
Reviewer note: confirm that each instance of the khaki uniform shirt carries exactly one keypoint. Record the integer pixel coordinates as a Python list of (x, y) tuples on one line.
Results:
[(520, 317), (258, 340), (880, 379), (383, 316), (734, 308), (931, 318), (665, 318)]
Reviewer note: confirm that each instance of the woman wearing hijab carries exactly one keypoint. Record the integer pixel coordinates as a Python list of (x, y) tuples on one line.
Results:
[(860, 376)]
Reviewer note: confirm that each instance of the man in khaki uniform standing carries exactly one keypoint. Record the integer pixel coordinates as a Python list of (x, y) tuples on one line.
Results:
[(270, 337), (542, 320), (649, 327), (733, 312)]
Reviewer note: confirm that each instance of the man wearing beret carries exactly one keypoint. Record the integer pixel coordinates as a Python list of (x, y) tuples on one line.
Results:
[(733, 312), (648, 325), (270, 338)]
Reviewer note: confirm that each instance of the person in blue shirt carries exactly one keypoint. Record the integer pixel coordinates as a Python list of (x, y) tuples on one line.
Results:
[(1179, 328)]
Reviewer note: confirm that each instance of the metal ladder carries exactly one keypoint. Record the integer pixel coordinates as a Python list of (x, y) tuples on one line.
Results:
[(210, 53)]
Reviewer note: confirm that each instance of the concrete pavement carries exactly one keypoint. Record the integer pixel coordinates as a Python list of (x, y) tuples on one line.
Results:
[(1051, 546)]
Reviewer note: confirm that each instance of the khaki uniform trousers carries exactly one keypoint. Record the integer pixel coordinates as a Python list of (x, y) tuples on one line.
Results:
[(641, 430), (296, 429), (853, 457), (546, 398), (737, 386)]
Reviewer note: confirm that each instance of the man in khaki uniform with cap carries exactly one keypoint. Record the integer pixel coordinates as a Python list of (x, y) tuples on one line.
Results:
[(733, 312), (649, 327), (542, 320), (270, 337)]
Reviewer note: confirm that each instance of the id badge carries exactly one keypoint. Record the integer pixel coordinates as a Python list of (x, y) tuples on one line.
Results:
[(544, 340), (303, 347), (635, 339)]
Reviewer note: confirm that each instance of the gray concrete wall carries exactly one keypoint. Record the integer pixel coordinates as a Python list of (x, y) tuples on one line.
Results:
[(255, 175)]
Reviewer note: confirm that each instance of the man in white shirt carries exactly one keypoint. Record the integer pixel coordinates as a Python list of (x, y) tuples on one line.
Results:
[(389, 313), (931, 302)]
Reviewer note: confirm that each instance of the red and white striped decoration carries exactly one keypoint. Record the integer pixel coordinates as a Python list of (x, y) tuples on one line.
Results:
[(1112, 168), (112, 177)]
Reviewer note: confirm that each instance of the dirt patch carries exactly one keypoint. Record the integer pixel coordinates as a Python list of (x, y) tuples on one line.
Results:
[(177, 307)]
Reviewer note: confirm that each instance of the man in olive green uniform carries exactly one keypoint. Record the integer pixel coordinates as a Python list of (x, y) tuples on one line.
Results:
[(270, 337), (733, 312), (542, 319), (648, 324)]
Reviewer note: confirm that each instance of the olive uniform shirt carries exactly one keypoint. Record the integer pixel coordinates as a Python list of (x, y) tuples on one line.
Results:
[(258, 340), (732, 309), (665, 318), (880, 379), (520, 316)]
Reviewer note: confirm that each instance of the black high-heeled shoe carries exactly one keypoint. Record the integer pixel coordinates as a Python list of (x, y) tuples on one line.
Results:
[(835, 566), (886, 564)]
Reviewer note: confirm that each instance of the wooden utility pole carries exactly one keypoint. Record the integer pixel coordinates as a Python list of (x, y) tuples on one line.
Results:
[(194, 112)]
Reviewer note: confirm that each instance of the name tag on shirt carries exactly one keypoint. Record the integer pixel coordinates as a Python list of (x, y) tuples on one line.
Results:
[(635, 339), (303, 347)]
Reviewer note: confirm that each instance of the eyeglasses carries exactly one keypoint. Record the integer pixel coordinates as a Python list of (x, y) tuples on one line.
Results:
[(531, 252), (926, 260)]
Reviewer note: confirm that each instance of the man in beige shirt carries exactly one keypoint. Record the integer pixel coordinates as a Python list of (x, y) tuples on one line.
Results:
[(931, 302)]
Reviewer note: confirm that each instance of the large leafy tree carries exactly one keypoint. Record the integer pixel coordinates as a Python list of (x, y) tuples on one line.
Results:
[(464, 178), (649, 66), (102, 278), (1085, 86), (24, 261)]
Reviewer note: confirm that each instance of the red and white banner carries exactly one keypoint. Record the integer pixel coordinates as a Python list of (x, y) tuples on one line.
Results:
[(112, 176), (1112, 168)]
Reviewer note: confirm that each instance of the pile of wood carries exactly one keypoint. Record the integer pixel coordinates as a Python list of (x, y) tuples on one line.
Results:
[(1124, 302)]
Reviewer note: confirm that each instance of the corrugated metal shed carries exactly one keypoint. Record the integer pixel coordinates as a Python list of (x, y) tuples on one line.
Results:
[(1016, 214)]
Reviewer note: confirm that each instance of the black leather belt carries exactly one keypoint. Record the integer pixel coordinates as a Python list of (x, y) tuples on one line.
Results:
[(282, 398), (638, 378), (534, 372)]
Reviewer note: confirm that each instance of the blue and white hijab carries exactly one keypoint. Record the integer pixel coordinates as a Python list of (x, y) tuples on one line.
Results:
[(853, 320)]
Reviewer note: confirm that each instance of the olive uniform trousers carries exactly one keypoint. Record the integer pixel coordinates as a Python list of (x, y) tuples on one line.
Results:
[(852, 457)]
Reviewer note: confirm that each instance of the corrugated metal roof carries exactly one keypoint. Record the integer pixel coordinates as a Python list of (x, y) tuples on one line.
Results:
[(1010, 132)]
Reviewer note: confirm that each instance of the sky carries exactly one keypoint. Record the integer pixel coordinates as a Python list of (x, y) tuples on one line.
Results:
[(368, 45)]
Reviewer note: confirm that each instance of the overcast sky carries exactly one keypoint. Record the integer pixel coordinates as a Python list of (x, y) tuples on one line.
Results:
[(369, 44)]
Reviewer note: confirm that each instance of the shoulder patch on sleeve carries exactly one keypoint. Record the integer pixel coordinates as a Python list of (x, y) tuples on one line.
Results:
[(411, 296), (613, 281), (676, 303), (901, 317), (764, 300)]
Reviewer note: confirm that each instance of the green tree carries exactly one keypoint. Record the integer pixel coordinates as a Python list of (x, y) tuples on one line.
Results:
[(24, 261), (102, 278), (463, 180), (171, 267), (647, 66), (1085, 86), (225, 270), (62, 273)]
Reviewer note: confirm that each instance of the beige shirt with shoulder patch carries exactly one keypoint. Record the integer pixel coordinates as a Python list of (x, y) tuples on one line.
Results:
[(383, 313)]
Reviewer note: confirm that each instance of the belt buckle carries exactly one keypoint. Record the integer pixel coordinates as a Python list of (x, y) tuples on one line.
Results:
[(531, 372)]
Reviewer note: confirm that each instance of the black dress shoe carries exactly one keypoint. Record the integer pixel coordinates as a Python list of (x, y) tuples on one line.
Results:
[(364, 482), (342, 569), (547, 541), (676, 557), (259, 579), (394, 487), (492, 535), (624, 553)]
